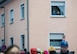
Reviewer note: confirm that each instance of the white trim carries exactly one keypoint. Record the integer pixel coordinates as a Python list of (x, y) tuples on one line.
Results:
[(2, 13), (11, 14), (65, 9), (57, 0), (57, 3), (26, 41), (50, 9), (57, 16), (48, 40), (57, 48), (21, 11), (2, 20), (21, 41), (22, 3), (25, 9)]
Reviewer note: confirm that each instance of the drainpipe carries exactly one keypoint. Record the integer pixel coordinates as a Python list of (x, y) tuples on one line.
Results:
[(4, 24), (27, 21)]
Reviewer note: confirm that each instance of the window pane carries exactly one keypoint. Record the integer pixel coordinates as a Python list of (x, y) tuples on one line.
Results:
[(2, 19), (57, 36), (57, 3), (61, 9), (55, 43), (22, 11), (23, 41), (11, 39), (57, 8), (11, 13), (11, 16), (55, 39)]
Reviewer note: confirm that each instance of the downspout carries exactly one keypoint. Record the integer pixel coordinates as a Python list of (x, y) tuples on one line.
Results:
[(4, 25), (27, 2)]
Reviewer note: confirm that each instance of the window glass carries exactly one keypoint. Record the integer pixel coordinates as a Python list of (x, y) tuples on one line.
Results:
[(57, 8), (55, 39)]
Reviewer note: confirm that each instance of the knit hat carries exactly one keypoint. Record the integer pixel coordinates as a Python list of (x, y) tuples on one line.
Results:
[(45, 52), (64, 44), (38, 49), (52, 48)]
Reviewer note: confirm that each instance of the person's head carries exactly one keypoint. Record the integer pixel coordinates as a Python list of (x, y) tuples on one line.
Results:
[(34, 51), (63, 36), (25, 50), (52, 50), (64, 46), (3, 48), (45, 52), (12, 50)]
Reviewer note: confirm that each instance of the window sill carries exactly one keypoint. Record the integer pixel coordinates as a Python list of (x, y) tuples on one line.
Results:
[(22, 19), (57, 16), (57, 48), (11, 23), (2, 26)]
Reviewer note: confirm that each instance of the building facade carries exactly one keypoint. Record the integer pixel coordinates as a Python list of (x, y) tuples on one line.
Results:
[(38, 23)]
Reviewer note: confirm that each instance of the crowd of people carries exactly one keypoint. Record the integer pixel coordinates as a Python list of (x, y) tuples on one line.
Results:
[(14, 49)]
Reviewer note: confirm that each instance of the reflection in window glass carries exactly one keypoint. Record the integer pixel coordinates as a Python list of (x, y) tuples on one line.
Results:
[(57, 8), (55, 39)]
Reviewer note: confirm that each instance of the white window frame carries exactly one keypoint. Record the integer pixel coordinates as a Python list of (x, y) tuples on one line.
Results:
[(57, 47), (2, 19), (21, 6), (57, 16), (11, 16)]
